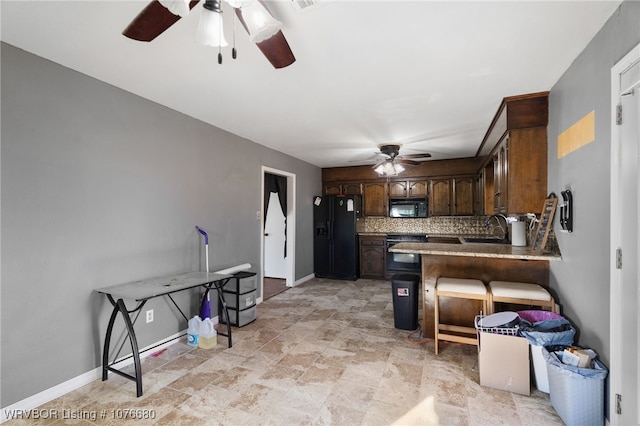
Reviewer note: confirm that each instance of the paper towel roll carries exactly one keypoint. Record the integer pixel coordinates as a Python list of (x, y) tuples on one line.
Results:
[(234, 269), (519, 234)]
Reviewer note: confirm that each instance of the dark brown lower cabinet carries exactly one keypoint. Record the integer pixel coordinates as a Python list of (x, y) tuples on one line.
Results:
[(372, 256)]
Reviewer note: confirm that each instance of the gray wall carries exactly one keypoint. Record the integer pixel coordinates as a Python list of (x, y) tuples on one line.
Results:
[(101, 187), (581, 279)]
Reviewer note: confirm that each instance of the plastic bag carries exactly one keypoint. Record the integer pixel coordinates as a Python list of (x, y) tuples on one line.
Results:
[(554, 360), (544, 328)]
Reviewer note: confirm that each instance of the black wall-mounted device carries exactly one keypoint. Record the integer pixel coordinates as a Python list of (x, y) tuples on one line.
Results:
[(566, 211)]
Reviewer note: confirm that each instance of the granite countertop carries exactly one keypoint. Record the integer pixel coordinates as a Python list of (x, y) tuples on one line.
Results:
[(490, 250)]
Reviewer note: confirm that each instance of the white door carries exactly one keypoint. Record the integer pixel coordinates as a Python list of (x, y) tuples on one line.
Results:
[(274, 241), (266, 253), (625, 234)]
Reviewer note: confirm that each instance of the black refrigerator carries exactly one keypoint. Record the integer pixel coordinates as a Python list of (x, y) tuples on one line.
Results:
[(335, 245)]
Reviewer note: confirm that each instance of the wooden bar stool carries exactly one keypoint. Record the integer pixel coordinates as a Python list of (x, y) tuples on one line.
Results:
[(520, 294), (461, 288)]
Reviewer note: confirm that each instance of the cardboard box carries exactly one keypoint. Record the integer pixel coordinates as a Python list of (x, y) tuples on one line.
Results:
[(504, 362), (576, 357)]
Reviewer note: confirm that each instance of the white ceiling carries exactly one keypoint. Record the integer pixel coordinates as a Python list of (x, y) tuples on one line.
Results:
[(426, 74)]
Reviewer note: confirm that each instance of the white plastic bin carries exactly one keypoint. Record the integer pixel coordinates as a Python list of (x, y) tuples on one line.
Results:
[(539, 337), (577, 394), (540, 368)]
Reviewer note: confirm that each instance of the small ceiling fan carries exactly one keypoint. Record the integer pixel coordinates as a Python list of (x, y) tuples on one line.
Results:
[(160, 15), (393, 163)]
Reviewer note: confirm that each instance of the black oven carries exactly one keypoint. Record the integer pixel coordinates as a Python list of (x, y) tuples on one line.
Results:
[(405, 262)]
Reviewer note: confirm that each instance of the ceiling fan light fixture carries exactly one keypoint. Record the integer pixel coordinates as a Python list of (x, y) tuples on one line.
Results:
[(239, 3), (210, 30), (389, 168), (177, 7), (160, 15), (261, 25)]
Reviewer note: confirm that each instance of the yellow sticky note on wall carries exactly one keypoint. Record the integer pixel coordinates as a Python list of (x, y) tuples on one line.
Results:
[(578, 135)]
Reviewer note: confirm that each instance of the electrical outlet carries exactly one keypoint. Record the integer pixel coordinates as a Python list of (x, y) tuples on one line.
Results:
[(149, 316)]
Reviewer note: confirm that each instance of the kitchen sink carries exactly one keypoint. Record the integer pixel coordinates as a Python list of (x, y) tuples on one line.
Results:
[(444, 240), (486, 240)]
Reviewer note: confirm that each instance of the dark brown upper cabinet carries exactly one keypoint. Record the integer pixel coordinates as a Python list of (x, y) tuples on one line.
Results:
[(515, 145)]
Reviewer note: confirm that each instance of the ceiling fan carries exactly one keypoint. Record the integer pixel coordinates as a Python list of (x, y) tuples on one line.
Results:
[(160, 15), (393, 163)]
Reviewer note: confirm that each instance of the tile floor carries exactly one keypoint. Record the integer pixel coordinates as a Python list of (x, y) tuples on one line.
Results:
[(323, 353)]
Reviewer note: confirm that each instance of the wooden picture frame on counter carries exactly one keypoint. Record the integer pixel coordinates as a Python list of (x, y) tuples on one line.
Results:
[(544, 225)]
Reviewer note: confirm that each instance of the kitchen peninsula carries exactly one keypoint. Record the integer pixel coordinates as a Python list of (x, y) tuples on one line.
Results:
[(483, 261)]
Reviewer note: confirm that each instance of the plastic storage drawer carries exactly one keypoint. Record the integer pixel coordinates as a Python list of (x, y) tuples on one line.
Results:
[(240, 301), (240, 318), (242, 282)]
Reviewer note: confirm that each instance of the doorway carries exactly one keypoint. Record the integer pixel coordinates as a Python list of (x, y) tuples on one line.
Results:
[(277, 226), (625, 234)]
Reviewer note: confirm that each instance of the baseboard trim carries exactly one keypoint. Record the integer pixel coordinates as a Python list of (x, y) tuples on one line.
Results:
[(24, 408), (304, 279)]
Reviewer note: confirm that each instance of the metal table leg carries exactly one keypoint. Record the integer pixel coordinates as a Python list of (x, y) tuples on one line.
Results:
[(119, 306)]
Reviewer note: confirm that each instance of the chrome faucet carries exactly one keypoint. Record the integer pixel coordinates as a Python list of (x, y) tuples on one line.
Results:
[(497, 217)]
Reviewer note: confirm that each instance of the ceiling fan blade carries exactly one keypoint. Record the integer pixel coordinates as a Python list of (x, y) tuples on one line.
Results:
[(276, 48), (152, 21), (378, 164), (424, 155), (375, 157), (407, 162)]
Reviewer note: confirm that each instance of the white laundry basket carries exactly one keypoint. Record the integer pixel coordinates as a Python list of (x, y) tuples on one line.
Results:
[(577, 394)]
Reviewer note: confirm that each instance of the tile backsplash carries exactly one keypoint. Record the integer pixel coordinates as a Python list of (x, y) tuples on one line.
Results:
[(443, 225), (446, 225)]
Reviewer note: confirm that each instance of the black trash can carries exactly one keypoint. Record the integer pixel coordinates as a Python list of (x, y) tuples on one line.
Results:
[(405, 301)]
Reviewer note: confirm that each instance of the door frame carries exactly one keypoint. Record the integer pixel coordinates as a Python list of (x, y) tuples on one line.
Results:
[(617, 326), (290, 260)]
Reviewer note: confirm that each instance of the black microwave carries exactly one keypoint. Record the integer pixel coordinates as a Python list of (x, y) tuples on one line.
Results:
[(408, 208)]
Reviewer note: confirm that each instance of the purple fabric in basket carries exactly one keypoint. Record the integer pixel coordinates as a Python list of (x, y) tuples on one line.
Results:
[(534, 316)]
